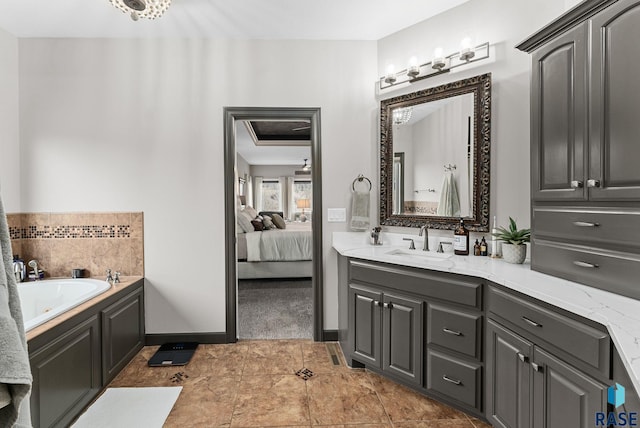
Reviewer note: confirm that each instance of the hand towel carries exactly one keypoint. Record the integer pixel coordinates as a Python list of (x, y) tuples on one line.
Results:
[(360, 211), (449, 205), (15, 372)]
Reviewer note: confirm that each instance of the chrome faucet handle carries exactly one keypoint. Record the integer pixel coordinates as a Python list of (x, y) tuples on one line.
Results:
[(116, 277), (412, 245), (109, 276), (440, 249)]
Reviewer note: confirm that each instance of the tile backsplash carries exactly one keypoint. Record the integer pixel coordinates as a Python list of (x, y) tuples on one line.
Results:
[(96, 242)]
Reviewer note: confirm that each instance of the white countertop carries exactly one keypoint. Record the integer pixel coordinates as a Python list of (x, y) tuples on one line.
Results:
[(621, 315)]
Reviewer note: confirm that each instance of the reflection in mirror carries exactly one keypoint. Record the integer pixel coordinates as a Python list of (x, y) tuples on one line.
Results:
[(435, 156)]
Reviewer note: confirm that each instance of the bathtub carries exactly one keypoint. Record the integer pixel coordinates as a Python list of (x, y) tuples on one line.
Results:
[(43, 300)]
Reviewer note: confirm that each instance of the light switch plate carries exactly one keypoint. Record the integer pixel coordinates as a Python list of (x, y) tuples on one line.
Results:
[(336, 215)]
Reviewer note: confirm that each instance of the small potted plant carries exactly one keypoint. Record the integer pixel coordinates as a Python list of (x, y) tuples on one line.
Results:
[(513, 240)]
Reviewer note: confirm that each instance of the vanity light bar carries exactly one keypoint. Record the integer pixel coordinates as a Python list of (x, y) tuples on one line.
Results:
[(435, 67)]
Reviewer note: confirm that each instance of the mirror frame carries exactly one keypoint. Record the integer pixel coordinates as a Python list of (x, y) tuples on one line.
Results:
[(480, 86)]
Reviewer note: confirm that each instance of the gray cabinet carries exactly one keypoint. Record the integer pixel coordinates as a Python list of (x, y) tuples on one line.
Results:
[(585, 152), (387, 333), (66, 374), (544, 370), (440, 354), (122, 333), (74, 360)]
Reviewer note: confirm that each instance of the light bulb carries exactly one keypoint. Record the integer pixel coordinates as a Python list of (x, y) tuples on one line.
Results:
[(466, 53), (413, 70), (438, 59), (390, 77)]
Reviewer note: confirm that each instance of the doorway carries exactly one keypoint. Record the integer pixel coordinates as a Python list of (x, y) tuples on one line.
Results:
[(232, 117)]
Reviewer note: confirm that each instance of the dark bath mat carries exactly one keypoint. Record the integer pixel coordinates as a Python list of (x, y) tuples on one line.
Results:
[(173, 354)]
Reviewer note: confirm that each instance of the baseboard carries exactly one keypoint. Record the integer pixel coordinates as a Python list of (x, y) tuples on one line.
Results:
[(159, 339), (330, 335), (211, 338)]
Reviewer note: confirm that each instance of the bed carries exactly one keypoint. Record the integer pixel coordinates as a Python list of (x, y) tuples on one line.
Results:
[(276, 253)]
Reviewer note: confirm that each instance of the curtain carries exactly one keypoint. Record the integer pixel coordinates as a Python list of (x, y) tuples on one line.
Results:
[(291, 203), (257, 193), (249, 190)]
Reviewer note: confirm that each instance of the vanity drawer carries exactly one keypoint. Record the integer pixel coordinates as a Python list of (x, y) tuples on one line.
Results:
[(457, 379), (440, 285), (588, 225), (587, 344), (454, 329), (608, 270)]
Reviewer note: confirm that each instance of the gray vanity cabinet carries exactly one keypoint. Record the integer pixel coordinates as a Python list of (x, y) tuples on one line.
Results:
[(386, 331), (544, 369), (585, 151)]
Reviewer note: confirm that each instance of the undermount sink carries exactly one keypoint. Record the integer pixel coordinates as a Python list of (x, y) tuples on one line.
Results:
[(431, 256)]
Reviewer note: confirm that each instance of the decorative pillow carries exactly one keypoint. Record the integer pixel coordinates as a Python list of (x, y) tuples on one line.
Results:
[(244, 223), (268, 223), (278, 221), (251, 211), (257, 224)]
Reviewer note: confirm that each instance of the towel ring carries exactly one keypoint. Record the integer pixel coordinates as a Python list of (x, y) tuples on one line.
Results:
[(360, 178)]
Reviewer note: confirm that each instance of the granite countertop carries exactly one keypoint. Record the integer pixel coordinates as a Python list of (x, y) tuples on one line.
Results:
[(619, 314), (125, 282)]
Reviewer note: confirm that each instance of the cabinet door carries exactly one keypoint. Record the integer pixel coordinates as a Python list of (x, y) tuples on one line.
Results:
[(66, 375), (122, 333), (401, 337), (508, 378), (615, 102), (364, 324), (558, 118), (563, 396)]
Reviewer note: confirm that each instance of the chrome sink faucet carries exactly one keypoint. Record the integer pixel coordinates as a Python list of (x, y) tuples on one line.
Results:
[(425, 231)]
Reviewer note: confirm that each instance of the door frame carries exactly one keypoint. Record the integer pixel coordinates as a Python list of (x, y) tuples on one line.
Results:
[(231, 115)]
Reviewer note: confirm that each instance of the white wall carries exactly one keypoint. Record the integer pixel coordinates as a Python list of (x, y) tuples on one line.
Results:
[(111, 125), (503, 23), (9, 141)]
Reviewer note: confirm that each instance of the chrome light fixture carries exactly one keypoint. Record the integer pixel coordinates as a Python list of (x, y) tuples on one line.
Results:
[(149, 9), (402, 115)]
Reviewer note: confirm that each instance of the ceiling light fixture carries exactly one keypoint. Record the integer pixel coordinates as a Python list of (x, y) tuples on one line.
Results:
[(149, 9)]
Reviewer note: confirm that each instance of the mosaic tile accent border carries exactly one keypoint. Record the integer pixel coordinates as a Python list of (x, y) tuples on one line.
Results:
[(63, 232)]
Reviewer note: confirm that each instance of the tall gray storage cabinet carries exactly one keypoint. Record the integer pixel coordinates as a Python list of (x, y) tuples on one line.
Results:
[(585, 145)]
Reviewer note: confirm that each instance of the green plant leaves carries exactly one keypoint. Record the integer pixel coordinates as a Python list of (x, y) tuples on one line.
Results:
[(513, 235)]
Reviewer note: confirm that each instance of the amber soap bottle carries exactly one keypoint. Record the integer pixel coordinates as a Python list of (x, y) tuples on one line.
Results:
[(461, 240)]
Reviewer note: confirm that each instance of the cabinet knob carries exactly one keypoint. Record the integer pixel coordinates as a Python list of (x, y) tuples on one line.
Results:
[(377, 303), (523, 357), (450, 380), (452, 332), (537, 367), (576, 184), (387, 305), (593, 183), (585, 264)]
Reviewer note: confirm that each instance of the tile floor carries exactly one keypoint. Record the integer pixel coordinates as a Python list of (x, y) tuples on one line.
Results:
[(253, 384)]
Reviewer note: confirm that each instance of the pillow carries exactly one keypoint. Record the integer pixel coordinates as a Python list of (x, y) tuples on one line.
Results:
[(268, 223), (257, 225), (278, 221), (244, 223), (251, 211)]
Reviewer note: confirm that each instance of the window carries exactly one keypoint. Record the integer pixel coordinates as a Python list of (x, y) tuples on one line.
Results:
[(302, 189), (271, 195)]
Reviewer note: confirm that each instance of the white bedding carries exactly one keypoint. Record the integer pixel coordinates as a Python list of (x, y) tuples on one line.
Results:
[(278, 245)]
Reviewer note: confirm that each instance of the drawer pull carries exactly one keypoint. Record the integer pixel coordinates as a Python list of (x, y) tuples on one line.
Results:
[(576, 184), (523, 357), (585, 264), (593, 183), (585, 224), (530, 322), (453, 332), (453, 381)]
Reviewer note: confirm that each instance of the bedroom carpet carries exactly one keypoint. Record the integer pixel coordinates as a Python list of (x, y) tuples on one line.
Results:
[(275, 309)]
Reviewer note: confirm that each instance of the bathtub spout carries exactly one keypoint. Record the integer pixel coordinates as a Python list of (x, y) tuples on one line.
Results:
[(36, 272)]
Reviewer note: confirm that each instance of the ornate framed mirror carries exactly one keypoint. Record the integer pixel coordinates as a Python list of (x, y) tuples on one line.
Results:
[(435, 156)]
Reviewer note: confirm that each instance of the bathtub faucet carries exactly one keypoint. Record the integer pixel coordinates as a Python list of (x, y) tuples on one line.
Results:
[(36, 272), (110, 278)]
